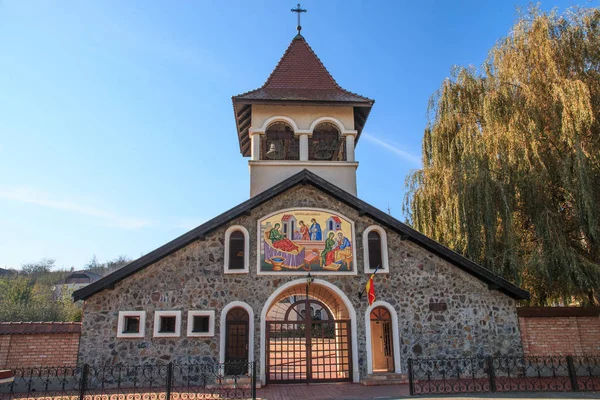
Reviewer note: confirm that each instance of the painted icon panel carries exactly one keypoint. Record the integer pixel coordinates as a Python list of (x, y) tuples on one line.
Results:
[(299, 241)]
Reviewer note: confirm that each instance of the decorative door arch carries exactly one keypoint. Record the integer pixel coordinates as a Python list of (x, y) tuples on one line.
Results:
[(308, 337)]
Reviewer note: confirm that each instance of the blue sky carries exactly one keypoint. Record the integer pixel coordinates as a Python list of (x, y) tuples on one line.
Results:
[(116, 126)]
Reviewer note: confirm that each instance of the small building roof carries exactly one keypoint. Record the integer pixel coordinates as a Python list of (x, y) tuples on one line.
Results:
[(287, 217), (299, 77), (336, 219), (84, 274), (28, 328)]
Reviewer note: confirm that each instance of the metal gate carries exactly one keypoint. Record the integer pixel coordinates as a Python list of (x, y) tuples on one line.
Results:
[(308, 348)]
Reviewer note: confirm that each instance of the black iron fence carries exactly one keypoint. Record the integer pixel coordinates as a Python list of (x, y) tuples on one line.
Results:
[(504, 374), (140, 382)]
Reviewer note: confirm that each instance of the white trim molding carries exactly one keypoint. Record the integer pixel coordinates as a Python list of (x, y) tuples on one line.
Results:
[(336, 122), (121, 324), (318, 282), (223, 330), (385, 267), (201, 313), (167, 313), (277, 118), (395, 335), (228, 232)]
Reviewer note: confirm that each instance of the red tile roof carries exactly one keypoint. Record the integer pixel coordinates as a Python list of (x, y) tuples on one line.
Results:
[(287, 217), (336, 219), (27, 328), (300, 75)]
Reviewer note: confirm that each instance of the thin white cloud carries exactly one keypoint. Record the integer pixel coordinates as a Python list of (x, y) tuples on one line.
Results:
[(405, 155), (43, 199)]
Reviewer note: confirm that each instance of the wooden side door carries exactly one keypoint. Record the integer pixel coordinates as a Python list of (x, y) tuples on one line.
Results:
[(381, 341)]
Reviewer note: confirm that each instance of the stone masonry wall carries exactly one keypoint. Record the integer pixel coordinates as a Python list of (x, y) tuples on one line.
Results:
[(476, 321)]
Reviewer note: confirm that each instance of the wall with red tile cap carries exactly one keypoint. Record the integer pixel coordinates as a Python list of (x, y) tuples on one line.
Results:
[(560, 331), (25, 349)]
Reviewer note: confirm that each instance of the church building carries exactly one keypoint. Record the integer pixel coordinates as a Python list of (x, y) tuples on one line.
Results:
[(280, 278)]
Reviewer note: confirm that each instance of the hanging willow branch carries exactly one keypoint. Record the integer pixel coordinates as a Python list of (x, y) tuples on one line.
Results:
[(511, 159)]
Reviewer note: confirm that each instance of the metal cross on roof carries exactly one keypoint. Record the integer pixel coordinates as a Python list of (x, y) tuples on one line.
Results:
[(298, 10)]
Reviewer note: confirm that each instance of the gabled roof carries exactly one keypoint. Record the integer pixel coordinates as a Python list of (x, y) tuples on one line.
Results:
[(299, 77), (495, 282), (83, 274)]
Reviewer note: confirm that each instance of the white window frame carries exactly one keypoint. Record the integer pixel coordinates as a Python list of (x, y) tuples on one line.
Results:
[(167, 313), (200, 313), (121, 324), (385, 268), (228, 233)]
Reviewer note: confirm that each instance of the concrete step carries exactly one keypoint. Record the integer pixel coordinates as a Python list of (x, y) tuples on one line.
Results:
[(386, 378)]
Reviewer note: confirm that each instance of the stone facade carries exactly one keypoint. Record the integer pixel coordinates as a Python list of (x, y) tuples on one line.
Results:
[(442, 311)]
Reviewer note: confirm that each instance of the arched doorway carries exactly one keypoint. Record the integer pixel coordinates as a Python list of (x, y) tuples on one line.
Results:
[(375, 335), (236, 341), (308, 336), (382, 347)]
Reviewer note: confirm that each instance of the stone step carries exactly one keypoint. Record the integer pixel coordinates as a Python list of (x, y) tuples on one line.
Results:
[(387, 378)]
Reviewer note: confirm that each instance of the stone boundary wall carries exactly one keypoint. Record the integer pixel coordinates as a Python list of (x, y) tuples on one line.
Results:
[(560, 330), (38, 344)]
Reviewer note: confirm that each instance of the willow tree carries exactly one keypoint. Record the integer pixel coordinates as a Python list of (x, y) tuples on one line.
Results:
[(511, 158)]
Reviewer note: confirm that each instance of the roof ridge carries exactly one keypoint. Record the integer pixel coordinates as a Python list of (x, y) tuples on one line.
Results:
[(329, 73)]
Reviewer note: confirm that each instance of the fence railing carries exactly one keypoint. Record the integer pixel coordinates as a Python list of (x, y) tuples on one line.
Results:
[(504, 374), (134, 382)]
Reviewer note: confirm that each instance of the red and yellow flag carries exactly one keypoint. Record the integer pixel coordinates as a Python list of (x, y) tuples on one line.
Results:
[(370, 289)]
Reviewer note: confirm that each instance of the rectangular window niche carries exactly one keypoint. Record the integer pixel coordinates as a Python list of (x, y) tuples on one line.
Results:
[(167, 323), (131, 324), (201, 323)]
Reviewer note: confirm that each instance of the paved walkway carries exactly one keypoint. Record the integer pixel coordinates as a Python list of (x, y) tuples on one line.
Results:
[(349, 391), (339, 391)]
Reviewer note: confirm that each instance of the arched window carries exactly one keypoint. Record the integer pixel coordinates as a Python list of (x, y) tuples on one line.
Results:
[(280, 143), (326, 143), (375, 249), (374, 239), (237, 249)]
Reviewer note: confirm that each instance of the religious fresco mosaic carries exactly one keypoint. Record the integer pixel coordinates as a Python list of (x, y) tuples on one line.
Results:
[(305, 240)]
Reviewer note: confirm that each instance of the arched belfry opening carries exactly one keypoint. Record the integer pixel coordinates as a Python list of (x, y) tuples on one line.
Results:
[(280, 143), (308, 336), (327, 143)]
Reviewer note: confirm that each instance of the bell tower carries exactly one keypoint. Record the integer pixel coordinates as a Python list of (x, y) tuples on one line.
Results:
[(300, 119)]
